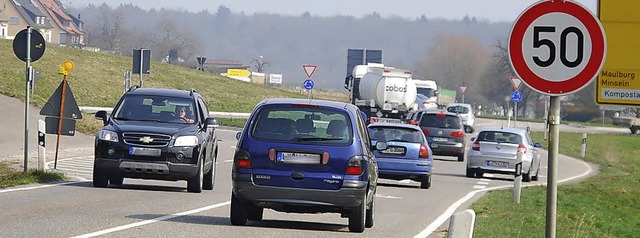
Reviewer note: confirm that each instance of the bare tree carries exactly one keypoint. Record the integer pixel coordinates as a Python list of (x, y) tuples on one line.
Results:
[(172, 42)]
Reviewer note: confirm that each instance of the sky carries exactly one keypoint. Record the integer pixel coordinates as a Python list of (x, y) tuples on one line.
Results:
[(491, 10)]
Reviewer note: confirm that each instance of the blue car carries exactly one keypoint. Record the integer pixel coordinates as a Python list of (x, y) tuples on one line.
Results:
[(407, 155), (305, 156)]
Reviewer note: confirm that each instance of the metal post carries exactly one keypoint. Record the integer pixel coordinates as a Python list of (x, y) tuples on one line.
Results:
[(552, 180), (141, 63), (42, 155), (508, 114), (515, 116), (64, 91), (26, 100), (517, 180), (546, 118), (583, 151)]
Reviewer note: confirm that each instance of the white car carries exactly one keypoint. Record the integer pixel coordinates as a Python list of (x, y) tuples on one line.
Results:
[(465, 111), (494, 150)]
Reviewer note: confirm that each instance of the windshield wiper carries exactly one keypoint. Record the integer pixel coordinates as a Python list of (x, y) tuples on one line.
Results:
[(317, 139)]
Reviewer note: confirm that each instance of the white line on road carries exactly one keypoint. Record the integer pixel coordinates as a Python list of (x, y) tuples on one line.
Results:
[(479, 187), (162, 218), (483, 183), (228, 161), (38, 187), (485, 180)]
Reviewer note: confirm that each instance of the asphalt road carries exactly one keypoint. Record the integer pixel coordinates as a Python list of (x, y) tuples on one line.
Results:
[(146, 208)]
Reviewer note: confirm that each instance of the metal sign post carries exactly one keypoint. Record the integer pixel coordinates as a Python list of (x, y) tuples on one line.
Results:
[(26, 100), (552, 172)]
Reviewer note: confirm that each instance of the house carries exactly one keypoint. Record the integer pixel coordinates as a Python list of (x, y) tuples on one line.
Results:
[(16, 15), (67, 29)]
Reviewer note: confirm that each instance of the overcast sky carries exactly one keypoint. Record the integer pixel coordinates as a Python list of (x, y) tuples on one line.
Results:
[(493, 10)]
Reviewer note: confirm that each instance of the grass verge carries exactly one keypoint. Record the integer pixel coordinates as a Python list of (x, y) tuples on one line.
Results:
[(9, 177), (606, 205)]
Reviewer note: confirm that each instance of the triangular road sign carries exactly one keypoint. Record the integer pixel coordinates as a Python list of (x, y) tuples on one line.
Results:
[(52, 108), (309, 69), (463, 89), (516, 83)]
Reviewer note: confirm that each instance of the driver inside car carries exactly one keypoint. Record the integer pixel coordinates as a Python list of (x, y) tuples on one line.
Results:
[(184, 114)]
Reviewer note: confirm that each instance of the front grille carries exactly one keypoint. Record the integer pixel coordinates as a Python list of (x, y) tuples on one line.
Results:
[(146, 139)]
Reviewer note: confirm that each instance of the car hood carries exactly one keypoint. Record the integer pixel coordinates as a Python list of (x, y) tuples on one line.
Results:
[(152, 127)]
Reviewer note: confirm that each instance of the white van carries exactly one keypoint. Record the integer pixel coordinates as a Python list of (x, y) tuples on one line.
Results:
[(429, 90)]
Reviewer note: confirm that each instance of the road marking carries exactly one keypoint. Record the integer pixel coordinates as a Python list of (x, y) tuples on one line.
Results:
[(383, 196), (38, 187), (485, 180), (451, 209), (162, 218), (228, 161), (483, 183), (479, 187), (489, 175), (233, 147)]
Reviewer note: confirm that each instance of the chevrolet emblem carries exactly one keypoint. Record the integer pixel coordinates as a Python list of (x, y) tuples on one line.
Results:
[(146, 139)]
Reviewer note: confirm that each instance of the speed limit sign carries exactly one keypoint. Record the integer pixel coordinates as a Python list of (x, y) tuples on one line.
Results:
[(557, 47)]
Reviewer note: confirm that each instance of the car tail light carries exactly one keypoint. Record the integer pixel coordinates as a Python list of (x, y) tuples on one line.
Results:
[(424, 152), (441, 115), (325, 157), (374, 119), (522, 148), (414, 122), (457, 134), (272, 155), (354, 166), (476, 145), (242, 159), (425, 131)]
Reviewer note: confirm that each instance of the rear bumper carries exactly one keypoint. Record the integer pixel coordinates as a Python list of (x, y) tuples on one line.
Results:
[(399, 168), (482, 164), (447, 149), (350, 195)]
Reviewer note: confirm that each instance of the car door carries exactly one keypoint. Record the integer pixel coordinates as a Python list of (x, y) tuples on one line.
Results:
[(206, 133), (365, 143)]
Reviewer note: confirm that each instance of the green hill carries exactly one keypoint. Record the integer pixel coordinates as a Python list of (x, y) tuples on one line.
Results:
[(97, 80)]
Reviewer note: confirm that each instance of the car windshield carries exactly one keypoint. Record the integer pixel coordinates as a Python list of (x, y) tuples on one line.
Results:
[(303, 125), (499, 136), (156, 108), (441, 121), (458, 109), (428, 92), (382, 133)]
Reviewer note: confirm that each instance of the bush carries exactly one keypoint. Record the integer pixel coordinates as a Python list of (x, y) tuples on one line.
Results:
[(581, 114)]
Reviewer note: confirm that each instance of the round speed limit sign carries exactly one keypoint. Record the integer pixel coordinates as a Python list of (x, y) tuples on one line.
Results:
[(557, 47)]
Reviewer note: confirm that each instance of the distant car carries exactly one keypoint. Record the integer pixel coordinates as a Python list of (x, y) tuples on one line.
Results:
[(465, 111), (413, 117), (445, 133), (146, 138), (407, 156), (305, 156), (423, 102), (494, 150)]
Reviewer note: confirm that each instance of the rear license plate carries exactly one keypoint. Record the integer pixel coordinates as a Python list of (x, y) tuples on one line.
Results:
[(497, 164), (144, 151), (440, 139), (394, 150), (298, 158)]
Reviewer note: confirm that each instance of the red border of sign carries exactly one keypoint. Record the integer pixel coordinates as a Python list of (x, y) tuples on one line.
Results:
[(304, 67), (465, 88), (513, 84), (570, 85)]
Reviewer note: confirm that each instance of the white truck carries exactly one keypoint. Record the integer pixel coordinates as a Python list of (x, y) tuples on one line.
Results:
[(429, 89), (381, 91)]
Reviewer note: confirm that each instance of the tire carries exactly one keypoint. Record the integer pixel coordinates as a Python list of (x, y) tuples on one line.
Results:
[(194, 185), (426, 182), (470, 173), (210, 177), (461, 157), (357, 216), (535, 178), (371, 216), (254, 213), (634, 129), (116, 180), (238, 214), (478, 174), (526, 177), (100, 180)]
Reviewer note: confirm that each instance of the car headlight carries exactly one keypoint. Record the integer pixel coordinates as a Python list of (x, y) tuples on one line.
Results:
[(186, 141), (108, 135)]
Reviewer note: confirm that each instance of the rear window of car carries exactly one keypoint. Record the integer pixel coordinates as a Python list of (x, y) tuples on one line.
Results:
[(458, 109), (381, 133), (302, 125), (500, 137), (440, 121)]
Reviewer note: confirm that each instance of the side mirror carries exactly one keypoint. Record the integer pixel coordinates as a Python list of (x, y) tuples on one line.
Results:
[(381, 145), (103, 116), (537, 145), (238, 135), (473, 139), (211, 122), (468, 129)]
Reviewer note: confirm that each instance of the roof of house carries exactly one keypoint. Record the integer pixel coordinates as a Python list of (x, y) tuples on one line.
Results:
[(30, 11), (60, 16)]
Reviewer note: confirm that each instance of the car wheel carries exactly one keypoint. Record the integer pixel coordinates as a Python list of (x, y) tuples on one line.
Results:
[(357, 216), (526, 177), (634, 130), (116, 180), (194, 185), (209, 178), (238, 212), (100, 180), (254, 213), (479, 174), (470, 173), (371, 213), (426, 182), (461, 157)]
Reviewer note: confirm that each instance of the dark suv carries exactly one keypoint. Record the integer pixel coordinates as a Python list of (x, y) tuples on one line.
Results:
[(305, 156), (161, 134), (445, 133)]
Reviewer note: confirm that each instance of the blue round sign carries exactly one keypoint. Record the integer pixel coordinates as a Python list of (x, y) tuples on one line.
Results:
[(516, 96), (308, 84)]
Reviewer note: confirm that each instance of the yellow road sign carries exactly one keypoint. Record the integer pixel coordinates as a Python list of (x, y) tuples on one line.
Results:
[(617, 82), (238, 72)]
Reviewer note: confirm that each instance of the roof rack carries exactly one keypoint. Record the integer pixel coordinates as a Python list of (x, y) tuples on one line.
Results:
[(193, 90)]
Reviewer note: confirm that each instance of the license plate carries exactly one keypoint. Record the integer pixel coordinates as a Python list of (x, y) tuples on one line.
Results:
[(144, 151), (440, 139), (394, 150), (298, 158), (497, 164)]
